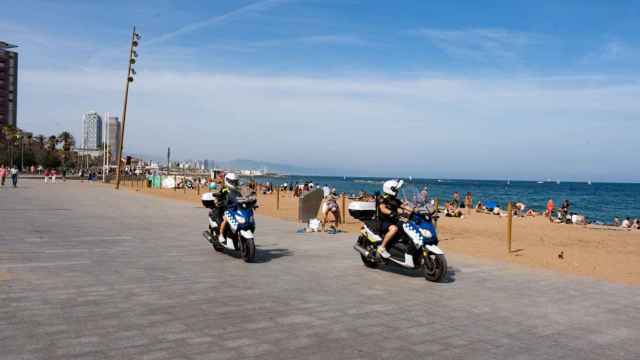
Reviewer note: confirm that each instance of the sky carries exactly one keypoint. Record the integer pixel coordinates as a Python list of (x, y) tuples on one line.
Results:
[(465, 89)]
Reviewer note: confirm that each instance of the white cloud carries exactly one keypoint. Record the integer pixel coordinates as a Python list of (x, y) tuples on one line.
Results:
[(479, 44), (440, 124), (613, 51), (253, 8)]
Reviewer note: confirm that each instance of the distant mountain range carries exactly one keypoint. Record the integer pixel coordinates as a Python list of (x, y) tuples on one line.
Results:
[(248, 164)]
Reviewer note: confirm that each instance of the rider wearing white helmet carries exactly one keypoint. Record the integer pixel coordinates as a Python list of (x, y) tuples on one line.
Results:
[(388, 208), (231, 193)]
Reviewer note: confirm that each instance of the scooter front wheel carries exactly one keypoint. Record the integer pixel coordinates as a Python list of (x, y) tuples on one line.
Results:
[(434, 267), (247, 250)]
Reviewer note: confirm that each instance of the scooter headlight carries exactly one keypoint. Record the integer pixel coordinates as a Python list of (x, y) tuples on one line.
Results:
[(240, 219), (426, 233)]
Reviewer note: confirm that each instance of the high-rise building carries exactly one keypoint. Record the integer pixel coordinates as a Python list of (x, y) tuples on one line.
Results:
[(91, 131), (113, 135), (8, 85)]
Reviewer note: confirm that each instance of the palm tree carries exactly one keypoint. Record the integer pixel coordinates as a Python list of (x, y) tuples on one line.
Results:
[(40, 140), (68, 142), (52, 142), (9, 133), (29, 138)]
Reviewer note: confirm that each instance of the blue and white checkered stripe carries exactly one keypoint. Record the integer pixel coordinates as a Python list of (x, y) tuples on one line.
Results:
[(231, 219)]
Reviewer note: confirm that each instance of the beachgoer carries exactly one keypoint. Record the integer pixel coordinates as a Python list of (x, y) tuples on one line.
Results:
[(326, 190), (468, 202), (616, 222), (331, 206), (530, 212), (3, 174), (636, 224), (456, 199), (451, 211), (518, 208), (626, 223), (423, 197), (53, 176), (549, 212), (14, 176), (564, 211)]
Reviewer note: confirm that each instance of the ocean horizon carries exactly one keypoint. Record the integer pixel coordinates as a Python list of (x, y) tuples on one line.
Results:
[(600, 202)]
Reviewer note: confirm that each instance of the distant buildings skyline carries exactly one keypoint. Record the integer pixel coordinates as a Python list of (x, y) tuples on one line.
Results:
[(8, 85), (112, 136), (91, 131)]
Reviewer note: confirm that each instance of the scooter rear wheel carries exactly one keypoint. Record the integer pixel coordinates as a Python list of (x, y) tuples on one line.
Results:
[(368, 262), (214, 242)]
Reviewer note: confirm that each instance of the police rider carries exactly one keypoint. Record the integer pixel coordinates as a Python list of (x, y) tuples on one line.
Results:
[(389, 208), (230, 194)]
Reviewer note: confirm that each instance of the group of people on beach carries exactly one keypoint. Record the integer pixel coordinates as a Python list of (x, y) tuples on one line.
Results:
[(627, 223), (6, 171)]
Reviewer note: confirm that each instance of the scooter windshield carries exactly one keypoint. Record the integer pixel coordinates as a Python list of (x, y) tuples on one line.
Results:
[(415, 197)]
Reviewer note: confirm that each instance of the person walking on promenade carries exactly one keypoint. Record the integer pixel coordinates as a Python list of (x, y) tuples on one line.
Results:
[(3, 174), (14, 176), (53, 176), (46, 175)]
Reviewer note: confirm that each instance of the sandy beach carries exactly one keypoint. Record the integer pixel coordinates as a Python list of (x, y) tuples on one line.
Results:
[(605, 254)]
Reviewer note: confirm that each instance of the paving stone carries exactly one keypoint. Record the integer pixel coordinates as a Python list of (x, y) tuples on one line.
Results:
[(121, 275)]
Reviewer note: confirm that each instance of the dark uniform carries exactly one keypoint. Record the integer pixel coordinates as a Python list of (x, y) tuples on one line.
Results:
[(226, 199), (392, 203)]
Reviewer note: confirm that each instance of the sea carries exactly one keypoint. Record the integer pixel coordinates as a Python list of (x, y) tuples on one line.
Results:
[(599, 202)]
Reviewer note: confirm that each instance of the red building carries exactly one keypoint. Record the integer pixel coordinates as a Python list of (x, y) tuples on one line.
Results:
[(8, 84)]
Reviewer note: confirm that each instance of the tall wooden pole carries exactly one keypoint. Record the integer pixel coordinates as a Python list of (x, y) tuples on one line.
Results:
[(509, 225), (124, 111), (277, 197), (344, 209)]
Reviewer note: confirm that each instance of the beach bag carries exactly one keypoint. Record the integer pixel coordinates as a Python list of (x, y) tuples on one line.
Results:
[(314, 225)]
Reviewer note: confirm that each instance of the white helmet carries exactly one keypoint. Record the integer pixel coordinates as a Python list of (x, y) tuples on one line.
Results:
[(231, 180), (392, 187)]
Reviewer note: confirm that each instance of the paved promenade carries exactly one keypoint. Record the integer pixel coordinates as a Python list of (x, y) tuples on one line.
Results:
[(90, 273)]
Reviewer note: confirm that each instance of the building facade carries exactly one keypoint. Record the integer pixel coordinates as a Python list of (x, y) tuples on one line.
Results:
[(91, 131), (8, 85), (112, 137)]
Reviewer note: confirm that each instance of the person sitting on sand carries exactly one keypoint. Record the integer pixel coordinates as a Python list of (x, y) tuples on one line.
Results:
[(480, 207), (530, 212), (450, 210), (636, 224), (626, 223)]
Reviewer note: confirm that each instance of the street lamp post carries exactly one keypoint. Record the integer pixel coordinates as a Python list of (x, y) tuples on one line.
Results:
[(135, 37)]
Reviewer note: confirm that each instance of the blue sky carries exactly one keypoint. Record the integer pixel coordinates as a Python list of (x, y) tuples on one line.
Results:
[(520, 90)]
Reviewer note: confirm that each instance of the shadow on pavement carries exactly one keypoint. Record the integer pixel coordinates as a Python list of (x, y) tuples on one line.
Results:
[(417, 273), (266, 255)]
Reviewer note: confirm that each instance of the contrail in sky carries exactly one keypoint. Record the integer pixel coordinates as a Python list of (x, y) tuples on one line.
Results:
[(255, 7)]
